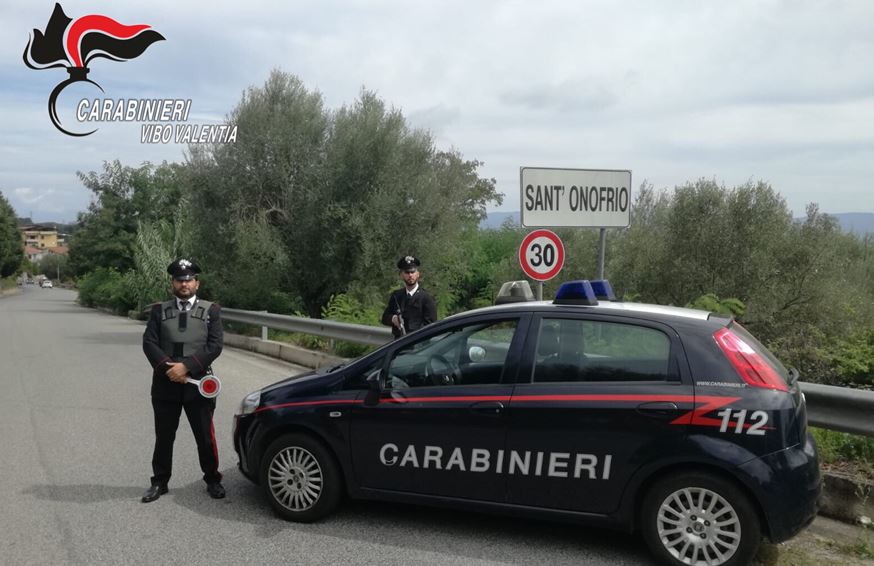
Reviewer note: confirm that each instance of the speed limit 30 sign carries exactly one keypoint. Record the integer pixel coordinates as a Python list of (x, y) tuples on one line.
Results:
[(541, 255)]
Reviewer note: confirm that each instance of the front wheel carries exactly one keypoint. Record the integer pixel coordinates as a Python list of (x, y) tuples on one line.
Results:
[(300, 478), (700, 519)]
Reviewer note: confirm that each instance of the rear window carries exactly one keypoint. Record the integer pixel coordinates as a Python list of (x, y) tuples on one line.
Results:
[(593, 351), (766, 354)]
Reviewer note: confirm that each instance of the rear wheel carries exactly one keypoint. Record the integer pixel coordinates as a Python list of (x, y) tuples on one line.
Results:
[(700, 519), (300, 478)]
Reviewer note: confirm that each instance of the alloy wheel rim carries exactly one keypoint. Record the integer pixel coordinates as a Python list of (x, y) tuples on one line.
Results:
[(295, 478), (698, 526)]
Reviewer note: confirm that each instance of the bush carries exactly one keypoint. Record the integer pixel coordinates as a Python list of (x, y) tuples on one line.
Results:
[(106, 288), (852, 358), (344, 308), (837, 446)]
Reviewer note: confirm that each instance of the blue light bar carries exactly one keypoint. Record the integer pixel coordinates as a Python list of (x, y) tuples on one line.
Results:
[(603, 290), (575, 293)]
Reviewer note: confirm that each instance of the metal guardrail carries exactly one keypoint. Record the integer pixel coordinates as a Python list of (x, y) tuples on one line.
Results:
[(840, 408), (358, 333), (834, 408)]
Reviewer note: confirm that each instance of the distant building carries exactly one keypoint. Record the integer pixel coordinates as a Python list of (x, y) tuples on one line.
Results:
[(40, 236), (35, 255)]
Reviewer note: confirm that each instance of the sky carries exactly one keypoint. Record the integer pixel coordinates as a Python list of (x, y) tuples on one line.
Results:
[(675, 91)]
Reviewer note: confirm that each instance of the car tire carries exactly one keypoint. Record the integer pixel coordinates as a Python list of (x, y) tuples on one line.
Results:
[(689, 518), (300, 478)]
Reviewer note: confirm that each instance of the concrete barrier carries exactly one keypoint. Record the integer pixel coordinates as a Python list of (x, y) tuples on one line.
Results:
[(846, 497), (282, 351)]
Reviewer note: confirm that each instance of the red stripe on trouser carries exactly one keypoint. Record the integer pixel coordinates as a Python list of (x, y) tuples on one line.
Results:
[(214, 445)]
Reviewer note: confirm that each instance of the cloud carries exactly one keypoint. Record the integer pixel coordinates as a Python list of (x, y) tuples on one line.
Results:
[(570, 97), (674, 91), (52, 204)]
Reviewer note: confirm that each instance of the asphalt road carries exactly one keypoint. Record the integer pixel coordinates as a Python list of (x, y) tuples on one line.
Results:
[(75, 454)]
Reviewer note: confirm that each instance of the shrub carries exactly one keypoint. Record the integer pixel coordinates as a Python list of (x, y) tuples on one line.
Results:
[(106, 288), (837, 446), (344, 308)]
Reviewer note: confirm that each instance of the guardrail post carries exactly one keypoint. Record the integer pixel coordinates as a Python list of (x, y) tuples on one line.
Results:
[(263, 331)]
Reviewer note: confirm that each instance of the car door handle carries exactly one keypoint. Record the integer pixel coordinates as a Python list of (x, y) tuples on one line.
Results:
[(658, 410), (488, 407)]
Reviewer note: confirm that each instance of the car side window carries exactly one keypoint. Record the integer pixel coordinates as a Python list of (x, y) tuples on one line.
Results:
[(358, 380), (571, 350), (472, 354)]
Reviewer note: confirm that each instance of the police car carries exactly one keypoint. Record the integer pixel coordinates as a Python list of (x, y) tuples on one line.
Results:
[(672, 422)]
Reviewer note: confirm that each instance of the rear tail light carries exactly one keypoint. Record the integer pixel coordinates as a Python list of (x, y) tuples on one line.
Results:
[(751, 366)]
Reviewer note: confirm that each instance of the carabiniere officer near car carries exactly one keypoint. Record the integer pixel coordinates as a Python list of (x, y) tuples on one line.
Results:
[(182, 339), (412, 307)]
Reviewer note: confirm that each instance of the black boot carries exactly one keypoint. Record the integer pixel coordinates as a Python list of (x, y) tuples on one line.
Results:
[(215, 490), (154, 492)]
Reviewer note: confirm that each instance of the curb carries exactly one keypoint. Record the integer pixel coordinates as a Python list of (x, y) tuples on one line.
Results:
[(846, 498), (283, 351)]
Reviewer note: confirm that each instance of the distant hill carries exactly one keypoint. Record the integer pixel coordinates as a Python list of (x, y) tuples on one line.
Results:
[(856, 222), (495, 219)]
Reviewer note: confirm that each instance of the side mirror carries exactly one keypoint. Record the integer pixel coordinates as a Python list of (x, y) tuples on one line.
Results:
[(375, 385), (476, 353)]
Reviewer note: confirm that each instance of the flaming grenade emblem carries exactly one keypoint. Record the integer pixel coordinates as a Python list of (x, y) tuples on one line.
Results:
[(74, 43)]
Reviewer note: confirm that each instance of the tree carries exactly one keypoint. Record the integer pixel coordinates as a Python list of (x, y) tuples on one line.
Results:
[(124, 197), (11, 245), (55, 266), (157, 244), (344, 192), (806, 287)]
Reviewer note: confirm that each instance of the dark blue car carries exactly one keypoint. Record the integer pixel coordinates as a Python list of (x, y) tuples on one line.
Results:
[(673, 422)]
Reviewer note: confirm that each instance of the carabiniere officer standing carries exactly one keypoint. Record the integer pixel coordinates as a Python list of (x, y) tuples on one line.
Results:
[(182, 338), (412, 307)]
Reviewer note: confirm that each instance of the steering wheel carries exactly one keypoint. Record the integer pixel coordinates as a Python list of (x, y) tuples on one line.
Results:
[(443, 372)]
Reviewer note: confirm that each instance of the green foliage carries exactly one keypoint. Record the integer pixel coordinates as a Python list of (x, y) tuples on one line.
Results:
[(344, 308), (702, 238), (106, 288), (252, 276), (803, 288), (125, 198), (712, 303), (11, 245), (27, 266), (861, 548), (157, 245), (55, 266), (473, 274), (852, 358), (836, 446), (345, 193)]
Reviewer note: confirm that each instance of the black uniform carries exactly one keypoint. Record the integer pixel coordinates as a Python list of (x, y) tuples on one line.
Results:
[(169, 398), (417, 310)]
